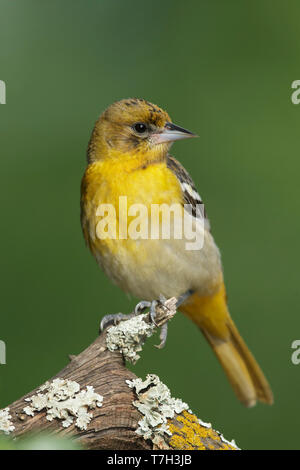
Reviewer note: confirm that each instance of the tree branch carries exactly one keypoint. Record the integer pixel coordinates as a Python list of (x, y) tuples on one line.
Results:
[(116, 425)]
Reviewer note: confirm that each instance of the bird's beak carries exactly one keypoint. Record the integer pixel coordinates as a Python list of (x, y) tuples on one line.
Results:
[(170, 133)]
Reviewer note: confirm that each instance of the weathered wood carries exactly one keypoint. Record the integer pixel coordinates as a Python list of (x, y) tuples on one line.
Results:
[(113, 425)]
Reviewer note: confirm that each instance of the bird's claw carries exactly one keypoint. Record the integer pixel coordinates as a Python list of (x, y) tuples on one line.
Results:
[(141, 306), (113, 319), (163, 336), (152, 312)]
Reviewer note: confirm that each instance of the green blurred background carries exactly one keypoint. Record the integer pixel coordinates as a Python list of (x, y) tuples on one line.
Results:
[(221, 69)]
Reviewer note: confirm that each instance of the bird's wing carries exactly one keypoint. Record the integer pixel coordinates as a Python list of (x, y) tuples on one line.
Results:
[(190, 195)]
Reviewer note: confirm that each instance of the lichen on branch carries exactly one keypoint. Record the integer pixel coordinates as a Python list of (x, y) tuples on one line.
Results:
[(134, 414)]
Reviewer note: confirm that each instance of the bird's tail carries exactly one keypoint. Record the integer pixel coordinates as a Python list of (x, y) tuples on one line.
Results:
[(242, 370)]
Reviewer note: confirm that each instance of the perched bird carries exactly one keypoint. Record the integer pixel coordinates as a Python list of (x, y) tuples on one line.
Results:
[(128, 155)]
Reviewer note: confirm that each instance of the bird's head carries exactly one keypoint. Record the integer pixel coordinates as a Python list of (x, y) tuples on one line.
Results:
[(133, 126)]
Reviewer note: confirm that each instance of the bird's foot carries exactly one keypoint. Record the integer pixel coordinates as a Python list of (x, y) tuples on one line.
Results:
[(163, 336), (114, 319), (143, 305)]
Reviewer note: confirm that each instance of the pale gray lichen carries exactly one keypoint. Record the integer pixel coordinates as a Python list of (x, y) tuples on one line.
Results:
[(157, 406), (204, 424), (231, 443), (6, 425), (64, 400), (129, 336)]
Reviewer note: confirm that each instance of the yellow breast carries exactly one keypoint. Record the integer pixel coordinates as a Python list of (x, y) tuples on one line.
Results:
[(111, 183), (144, 266)]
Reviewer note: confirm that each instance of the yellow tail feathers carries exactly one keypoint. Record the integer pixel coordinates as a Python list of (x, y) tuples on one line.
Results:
[(242, 370)]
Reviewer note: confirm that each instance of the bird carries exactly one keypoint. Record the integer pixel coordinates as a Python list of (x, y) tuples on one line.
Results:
[(128, 157)]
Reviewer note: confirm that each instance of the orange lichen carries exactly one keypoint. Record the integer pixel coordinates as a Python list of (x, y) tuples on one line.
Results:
[(189, 434)]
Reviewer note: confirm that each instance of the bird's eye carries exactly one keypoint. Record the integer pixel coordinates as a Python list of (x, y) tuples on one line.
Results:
[(140, 127)]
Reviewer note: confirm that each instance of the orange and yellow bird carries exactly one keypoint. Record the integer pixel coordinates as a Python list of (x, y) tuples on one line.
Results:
[(128, 156)]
